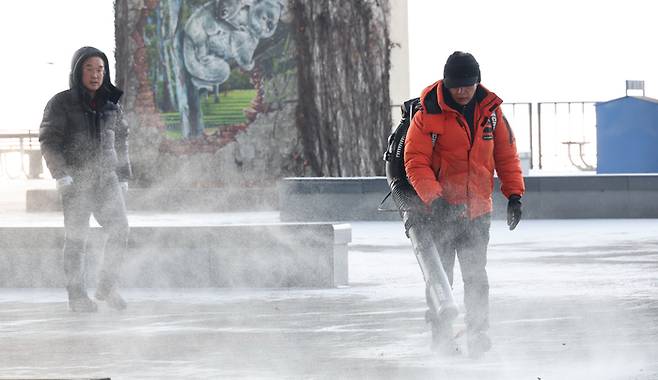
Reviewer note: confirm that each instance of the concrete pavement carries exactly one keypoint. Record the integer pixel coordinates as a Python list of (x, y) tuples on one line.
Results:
[(574, 299)]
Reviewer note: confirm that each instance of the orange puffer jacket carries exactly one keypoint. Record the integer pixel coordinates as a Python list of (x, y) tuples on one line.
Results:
[(454, 168)]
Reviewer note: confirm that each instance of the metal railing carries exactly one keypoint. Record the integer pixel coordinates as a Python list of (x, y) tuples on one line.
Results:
[(24, 144), (519, 115), (566, 135)]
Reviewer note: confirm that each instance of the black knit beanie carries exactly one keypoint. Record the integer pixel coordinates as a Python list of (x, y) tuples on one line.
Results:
[(461, 70)]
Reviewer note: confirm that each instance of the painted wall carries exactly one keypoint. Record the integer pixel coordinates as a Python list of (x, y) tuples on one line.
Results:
[(246, 92), (210, 90)]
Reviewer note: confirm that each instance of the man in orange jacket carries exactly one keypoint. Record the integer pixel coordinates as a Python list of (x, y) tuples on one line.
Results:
[(454, 143)]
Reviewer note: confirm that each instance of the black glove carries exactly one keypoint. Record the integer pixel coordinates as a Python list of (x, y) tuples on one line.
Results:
[(513, 211), (441, 210)]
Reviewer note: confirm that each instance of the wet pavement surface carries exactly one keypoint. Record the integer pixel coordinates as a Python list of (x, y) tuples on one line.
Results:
[(570, 299)]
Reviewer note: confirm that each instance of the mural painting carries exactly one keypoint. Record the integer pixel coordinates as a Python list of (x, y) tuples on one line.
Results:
[(204, 74), (214, 82), (246, 92)]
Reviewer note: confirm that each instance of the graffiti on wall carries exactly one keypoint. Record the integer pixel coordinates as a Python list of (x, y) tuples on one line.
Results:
[(208, 62)]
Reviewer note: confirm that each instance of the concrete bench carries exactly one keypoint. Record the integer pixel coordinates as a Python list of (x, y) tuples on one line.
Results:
[(264, 255), (555, 197)]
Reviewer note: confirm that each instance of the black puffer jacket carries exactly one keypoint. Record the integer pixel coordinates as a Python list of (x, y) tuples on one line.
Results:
[(77, 138)]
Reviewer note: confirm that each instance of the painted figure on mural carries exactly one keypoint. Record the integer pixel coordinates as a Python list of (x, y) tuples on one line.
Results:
[(84, 141), (225, 31)]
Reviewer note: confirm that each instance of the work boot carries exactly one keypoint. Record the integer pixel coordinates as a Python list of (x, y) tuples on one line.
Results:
[(107, 291), (478, 343), (79, 301), (443, 339)]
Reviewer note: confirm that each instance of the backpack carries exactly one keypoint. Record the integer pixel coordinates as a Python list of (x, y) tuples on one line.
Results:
[(404, 195)]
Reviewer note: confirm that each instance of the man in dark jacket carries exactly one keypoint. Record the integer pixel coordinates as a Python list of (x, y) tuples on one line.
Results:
[(84, 141)]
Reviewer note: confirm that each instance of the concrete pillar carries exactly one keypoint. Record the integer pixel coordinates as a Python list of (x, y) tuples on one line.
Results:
[(399, 76)]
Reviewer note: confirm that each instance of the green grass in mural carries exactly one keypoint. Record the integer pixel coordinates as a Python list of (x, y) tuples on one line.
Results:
[(173, 134), (228, 111)]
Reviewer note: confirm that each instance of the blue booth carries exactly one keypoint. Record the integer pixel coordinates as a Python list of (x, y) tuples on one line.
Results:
[(627, 135)]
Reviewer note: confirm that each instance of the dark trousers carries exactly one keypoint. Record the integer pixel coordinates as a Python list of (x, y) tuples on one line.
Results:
[(467, 240), (101, 196)]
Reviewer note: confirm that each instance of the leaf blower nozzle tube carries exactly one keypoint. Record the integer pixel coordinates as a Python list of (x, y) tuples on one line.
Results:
[(418, 230), (436, 280)]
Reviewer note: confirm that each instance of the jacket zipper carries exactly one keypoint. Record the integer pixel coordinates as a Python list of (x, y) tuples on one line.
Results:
[(94, 128), (468, 162), (472, 142), (468, 133)]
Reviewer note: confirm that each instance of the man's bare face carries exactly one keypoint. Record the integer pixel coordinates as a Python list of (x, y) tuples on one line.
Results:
[(93, 70), (463, 95)]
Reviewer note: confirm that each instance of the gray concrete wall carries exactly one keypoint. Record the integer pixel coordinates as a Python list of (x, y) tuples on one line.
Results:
[(173, 199), (271, 255), (357, 198), (601, 196)]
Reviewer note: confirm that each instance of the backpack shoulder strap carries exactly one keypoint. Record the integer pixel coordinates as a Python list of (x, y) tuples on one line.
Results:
[(410, 107), (416, 105), (431, 102)]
